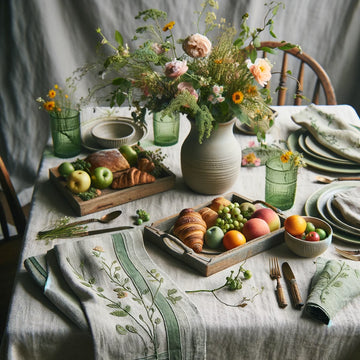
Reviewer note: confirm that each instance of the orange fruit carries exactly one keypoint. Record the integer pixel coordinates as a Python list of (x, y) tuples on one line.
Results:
[(233, 239), (295, 225)]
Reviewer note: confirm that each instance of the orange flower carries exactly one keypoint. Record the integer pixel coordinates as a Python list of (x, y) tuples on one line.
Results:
[(218, 61), (169, 26), (252, 90), (52, 94), (49, 105), (237, 97), (286, 157)]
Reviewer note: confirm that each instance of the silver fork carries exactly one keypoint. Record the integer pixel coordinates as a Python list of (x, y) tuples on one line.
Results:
[(275, 274), (349, 254)]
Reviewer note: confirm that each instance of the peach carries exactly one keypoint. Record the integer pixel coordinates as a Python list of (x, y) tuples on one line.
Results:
[(268, 215), (254, 228)]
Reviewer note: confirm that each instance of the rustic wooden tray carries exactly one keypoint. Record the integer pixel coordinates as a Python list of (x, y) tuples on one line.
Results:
[(210, 261), (109, 197)]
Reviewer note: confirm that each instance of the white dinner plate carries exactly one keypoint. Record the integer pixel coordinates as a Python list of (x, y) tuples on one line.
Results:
[(91, 144), (336, 216), (310, 209), (293, 145)]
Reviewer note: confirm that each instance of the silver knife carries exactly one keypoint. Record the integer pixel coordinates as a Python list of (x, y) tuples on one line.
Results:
[(100, 231), (295, 293)]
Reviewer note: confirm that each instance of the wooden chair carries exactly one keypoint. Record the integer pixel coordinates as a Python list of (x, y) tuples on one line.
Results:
[(10, 246), (321, 78)]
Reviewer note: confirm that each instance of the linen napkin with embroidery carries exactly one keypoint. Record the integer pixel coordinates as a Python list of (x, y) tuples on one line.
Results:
[(334, 284), (132, 308), (348, 203), (330, 131)]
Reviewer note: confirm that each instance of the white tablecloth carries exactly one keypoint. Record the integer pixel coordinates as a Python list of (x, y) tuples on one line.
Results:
[(261, 330)]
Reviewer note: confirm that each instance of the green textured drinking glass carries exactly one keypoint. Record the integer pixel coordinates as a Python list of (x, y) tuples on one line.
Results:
[(65, 132), (166, 128), (280, 183)]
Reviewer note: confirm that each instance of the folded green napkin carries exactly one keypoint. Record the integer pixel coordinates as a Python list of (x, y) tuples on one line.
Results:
[(330, 131), (334, 284), (109, 286), (348, 203)]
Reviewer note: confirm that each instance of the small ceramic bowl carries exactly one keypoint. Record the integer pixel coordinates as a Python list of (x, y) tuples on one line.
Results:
[(113, 134), (306, 248)]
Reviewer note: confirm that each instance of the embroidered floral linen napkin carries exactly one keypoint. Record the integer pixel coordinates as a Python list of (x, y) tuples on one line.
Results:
[(330, 131), (109, 286), (348, 203), (334, 284)]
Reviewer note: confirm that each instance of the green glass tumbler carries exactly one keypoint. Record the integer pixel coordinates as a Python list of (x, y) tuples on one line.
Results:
[(65, 132), (280, 183), (166, 128)]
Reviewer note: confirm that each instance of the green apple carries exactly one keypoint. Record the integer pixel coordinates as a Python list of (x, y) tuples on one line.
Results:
[(79, 181), (247, 209), (322, 233), (65, 169), (213, 237), (102, 177), (129, 154)]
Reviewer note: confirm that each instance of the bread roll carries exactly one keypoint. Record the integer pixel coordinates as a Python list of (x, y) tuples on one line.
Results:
[(218, 202)]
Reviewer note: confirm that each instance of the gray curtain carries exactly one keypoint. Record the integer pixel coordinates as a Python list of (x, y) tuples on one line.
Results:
[(43, 41)]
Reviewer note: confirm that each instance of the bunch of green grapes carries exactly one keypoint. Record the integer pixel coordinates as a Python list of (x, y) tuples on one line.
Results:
[(230, 218)]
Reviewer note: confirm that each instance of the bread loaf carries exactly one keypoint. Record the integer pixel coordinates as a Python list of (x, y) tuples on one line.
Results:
[(218, 202), (111, 159), (210, 216), (131, 177), (190, 229)]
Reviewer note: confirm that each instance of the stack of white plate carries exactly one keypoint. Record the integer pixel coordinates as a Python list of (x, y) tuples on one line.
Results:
[(318, 156), (320, 204)]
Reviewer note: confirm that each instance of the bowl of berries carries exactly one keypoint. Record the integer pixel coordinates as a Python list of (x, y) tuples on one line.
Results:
[(307, 236)]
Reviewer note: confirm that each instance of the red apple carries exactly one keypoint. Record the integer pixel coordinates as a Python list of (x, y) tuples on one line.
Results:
[(312, 236), (254, 228), (269, 216)]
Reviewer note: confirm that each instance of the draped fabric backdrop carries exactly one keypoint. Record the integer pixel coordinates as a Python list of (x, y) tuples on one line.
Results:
[(43, 41)]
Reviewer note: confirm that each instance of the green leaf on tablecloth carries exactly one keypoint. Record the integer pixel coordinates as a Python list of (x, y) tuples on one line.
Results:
[(121, 330)]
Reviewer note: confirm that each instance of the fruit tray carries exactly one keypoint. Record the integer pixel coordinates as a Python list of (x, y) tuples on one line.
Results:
[(210, 261), (109, 197)]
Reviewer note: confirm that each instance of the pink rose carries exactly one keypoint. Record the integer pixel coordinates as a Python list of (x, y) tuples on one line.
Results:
[(186, 86), (175, 68), (197, 46), (261, 70)]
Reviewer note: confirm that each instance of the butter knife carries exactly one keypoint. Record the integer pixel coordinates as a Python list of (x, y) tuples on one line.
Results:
[(295, 293)]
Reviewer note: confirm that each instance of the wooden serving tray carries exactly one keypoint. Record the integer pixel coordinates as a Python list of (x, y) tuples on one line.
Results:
[(109, 197), (210, 261)]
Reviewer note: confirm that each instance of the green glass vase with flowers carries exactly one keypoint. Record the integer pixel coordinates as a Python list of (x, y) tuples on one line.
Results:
[(64, 122)]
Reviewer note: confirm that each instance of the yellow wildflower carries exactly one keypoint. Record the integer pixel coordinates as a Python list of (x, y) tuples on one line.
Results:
[(52, 94), (218, 61), (237, 97), (49, 105), (56, 86), (286, 157), (252, 90), (169, 26)]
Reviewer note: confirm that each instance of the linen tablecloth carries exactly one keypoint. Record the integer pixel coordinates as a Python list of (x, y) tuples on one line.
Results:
[(260, 330)]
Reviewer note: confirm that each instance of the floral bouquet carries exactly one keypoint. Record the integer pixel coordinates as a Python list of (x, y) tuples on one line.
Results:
[(211, 81), (58, 100)]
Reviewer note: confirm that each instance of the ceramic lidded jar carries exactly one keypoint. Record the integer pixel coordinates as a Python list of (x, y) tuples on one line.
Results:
[(213, 166)]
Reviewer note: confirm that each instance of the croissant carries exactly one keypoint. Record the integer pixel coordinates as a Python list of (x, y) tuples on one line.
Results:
[(190, 229), (209, 216), (132, 177), (145, 164), (218, 202)]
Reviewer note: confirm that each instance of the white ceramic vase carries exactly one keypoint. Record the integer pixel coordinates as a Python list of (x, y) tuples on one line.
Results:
[(213, 166)]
